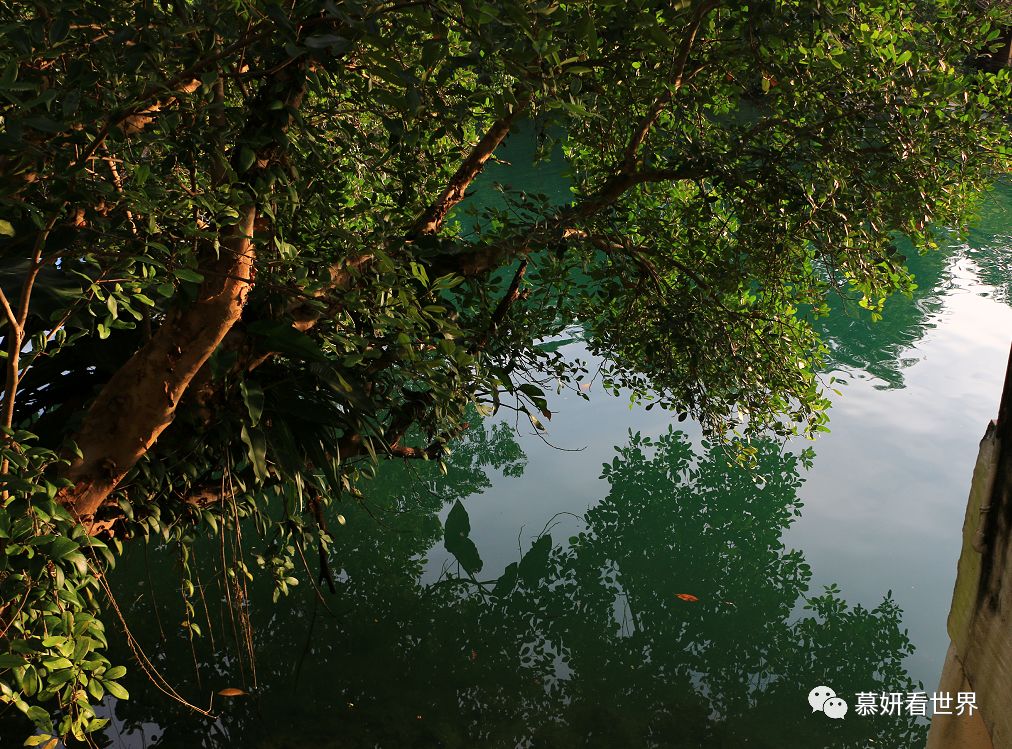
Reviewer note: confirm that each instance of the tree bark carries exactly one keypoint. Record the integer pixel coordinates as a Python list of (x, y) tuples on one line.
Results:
[(432, 219), (140, 400)]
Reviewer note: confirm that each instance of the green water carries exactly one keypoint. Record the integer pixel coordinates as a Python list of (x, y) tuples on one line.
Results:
[(573, 633)]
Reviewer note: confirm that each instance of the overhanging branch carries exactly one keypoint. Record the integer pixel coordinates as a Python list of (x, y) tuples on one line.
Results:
[(433, 217)]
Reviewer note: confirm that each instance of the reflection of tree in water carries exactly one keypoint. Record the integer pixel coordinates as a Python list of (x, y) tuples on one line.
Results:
[(584, 644), (730, 669), (990, 245), (884, 348)]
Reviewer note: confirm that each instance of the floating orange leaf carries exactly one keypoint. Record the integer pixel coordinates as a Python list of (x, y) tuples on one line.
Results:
[(231, 692), (687, 597)]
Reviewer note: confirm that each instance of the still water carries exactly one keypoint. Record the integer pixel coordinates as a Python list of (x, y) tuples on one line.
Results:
[(631, 589)]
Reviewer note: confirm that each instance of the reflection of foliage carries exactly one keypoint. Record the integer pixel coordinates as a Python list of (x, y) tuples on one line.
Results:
[(884, 348), (585, 644), (991, 241), (730, 669)]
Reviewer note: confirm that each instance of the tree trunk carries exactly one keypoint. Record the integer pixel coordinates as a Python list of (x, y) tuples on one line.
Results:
[(140, 400)]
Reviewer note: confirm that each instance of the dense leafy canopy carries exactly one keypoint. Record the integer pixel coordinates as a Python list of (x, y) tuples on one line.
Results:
[(236, 272)]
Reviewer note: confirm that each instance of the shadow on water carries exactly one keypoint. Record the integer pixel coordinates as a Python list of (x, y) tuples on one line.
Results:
[(580, 642), (884, 348)]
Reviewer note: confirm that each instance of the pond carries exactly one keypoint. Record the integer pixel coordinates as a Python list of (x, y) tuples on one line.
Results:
[(614, 581)]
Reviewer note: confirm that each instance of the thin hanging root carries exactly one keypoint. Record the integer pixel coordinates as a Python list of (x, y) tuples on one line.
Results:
[(203, 600), (150, 671), (147, 667), (241, 590), (230, 593), (188, 609), (316, 587), (326, 574), (151, 593)]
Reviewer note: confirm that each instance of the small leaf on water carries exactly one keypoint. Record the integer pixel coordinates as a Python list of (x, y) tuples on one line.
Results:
[(232, 692), (341, 520)]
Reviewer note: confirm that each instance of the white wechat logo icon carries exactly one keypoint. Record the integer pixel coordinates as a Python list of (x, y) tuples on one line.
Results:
[(824, 699)]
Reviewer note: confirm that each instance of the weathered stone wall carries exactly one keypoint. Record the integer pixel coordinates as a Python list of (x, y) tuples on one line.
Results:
[(980, 618)]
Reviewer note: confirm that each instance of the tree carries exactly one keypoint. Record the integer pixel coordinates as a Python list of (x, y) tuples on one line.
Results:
[(233, 278)]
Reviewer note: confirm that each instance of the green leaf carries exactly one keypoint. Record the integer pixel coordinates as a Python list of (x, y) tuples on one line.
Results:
[(322, 41), (532, 390), (9, 660), (246, 159), (42, 739), (62, 547), (186, 274), (39, 716), (253, 396), (115, 690), (280, 336), (257, 450)]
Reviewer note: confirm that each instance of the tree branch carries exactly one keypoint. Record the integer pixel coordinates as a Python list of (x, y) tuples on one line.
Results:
[(140, 399), (19, 321), (137, 404), (432, 218), (472, 263), (642, 130), (499, 314), (11, 317), (417, 453)]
